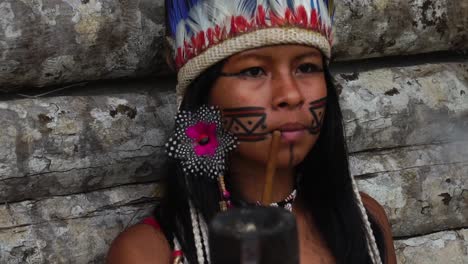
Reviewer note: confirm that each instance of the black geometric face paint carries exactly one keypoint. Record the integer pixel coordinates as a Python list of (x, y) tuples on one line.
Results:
[(246, 123), (317, 108)]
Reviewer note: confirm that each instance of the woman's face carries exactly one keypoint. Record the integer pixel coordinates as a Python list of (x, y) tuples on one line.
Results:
[(273, 88)]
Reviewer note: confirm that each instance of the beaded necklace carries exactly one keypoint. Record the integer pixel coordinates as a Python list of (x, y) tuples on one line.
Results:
[(285, 203), (226, 202)]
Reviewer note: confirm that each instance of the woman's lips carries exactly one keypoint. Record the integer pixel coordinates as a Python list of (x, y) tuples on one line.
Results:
[(291, 136), (291, 132)]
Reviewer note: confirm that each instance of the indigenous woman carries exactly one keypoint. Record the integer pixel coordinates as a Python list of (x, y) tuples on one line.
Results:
[(245, 69)]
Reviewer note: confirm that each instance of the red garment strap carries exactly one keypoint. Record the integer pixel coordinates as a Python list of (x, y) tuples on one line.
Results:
[(152, 222)]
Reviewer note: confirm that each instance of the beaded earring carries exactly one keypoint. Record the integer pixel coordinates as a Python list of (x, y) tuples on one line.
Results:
[(225, 203)]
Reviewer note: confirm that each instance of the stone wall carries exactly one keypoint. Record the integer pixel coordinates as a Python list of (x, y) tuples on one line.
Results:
[(80, 162)]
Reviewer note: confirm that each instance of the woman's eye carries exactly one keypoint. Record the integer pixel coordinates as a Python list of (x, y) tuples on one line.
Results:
[(309, 68), (252, 72)]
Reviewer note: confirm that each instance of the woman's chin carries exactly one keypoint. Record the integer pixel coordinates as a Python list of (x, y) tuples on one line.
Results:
[(283, 164), (288, 157)]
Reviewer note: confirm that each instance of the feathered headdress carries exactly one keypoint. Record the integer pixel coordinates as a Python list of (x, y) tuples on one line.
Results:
[(205, 32)]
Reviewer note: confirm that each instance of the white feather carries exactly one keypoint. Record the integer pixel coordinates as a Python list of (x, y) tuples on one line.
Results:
[(315, 4), (181, 32), (242, 10), (264, 3), (216, 12), (324, 17), (219, 12), (266, 9), (279, 7), (305, 3), (197, 19)]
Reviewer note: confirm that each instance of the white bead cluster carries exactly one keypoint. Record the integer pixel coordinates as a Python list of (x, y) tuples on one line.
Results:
[(196, 234), (204, 232)]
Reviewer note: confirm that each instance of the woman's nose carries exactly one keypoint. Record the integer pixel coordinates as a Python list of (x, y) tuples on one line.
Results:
[(286, 93)]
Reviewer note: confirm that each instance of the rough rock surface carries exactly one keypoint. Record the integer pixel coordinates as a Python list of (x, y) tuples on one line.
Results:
[(53, 42), (423, 188), (405, 106), (71, 229), (70, 144), (442, 247), (375, 28), (50, 42)]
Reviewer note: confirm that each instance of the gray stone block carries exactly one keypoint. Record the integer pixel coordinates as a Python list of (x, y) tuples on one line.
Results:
[(72, 229), (404, 106), (423, 189), (62, 41), (376, 28), (71, 144), (442, 247)]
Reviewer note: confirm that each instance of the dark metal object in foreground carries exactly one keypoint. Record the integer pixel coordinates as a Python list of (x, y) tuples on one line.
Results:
[(256, 235)]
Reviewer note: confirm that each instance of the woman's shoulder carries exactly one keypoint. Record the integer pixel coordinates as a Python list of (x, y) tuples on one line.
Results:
[(376, 210), (141, 243)]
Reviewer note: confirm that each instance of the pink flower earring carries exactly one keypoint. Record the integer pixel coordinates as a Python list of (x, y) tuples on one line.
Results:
[(204, 138), (200, 142)]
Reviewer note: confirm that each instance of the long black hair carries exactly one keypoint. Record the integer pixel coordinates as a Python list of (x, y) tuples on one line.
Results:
[(325, 186)]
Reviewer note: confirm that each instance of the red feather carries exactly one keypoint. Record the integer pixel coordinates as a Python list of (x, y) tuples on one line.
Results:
[(314, 20), (242, 25), (202, 40), (261, 17), (194, 45), (188, 51), (211, 36), (238, 25), (217, 33), (289, 15), (233, 27), (198, 42), (276, 21), (301, 16), (179, 60)]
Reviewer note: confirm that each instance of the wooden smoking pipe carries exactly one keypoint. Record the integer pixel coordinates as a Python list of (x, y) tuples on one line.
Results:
[(271, 167)]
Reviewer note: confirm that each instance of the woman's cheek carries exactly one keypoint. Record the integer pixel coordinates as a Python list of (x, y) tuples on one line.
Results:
[(254, 151)]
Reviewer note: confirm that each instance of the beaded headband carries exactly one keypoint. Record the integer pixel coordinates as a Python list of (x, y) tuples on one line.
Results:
[(204, 32)]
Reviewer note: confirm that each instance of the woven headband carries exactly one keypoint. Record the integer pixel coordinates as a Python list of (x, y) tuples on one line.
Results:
[(204, 32)]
